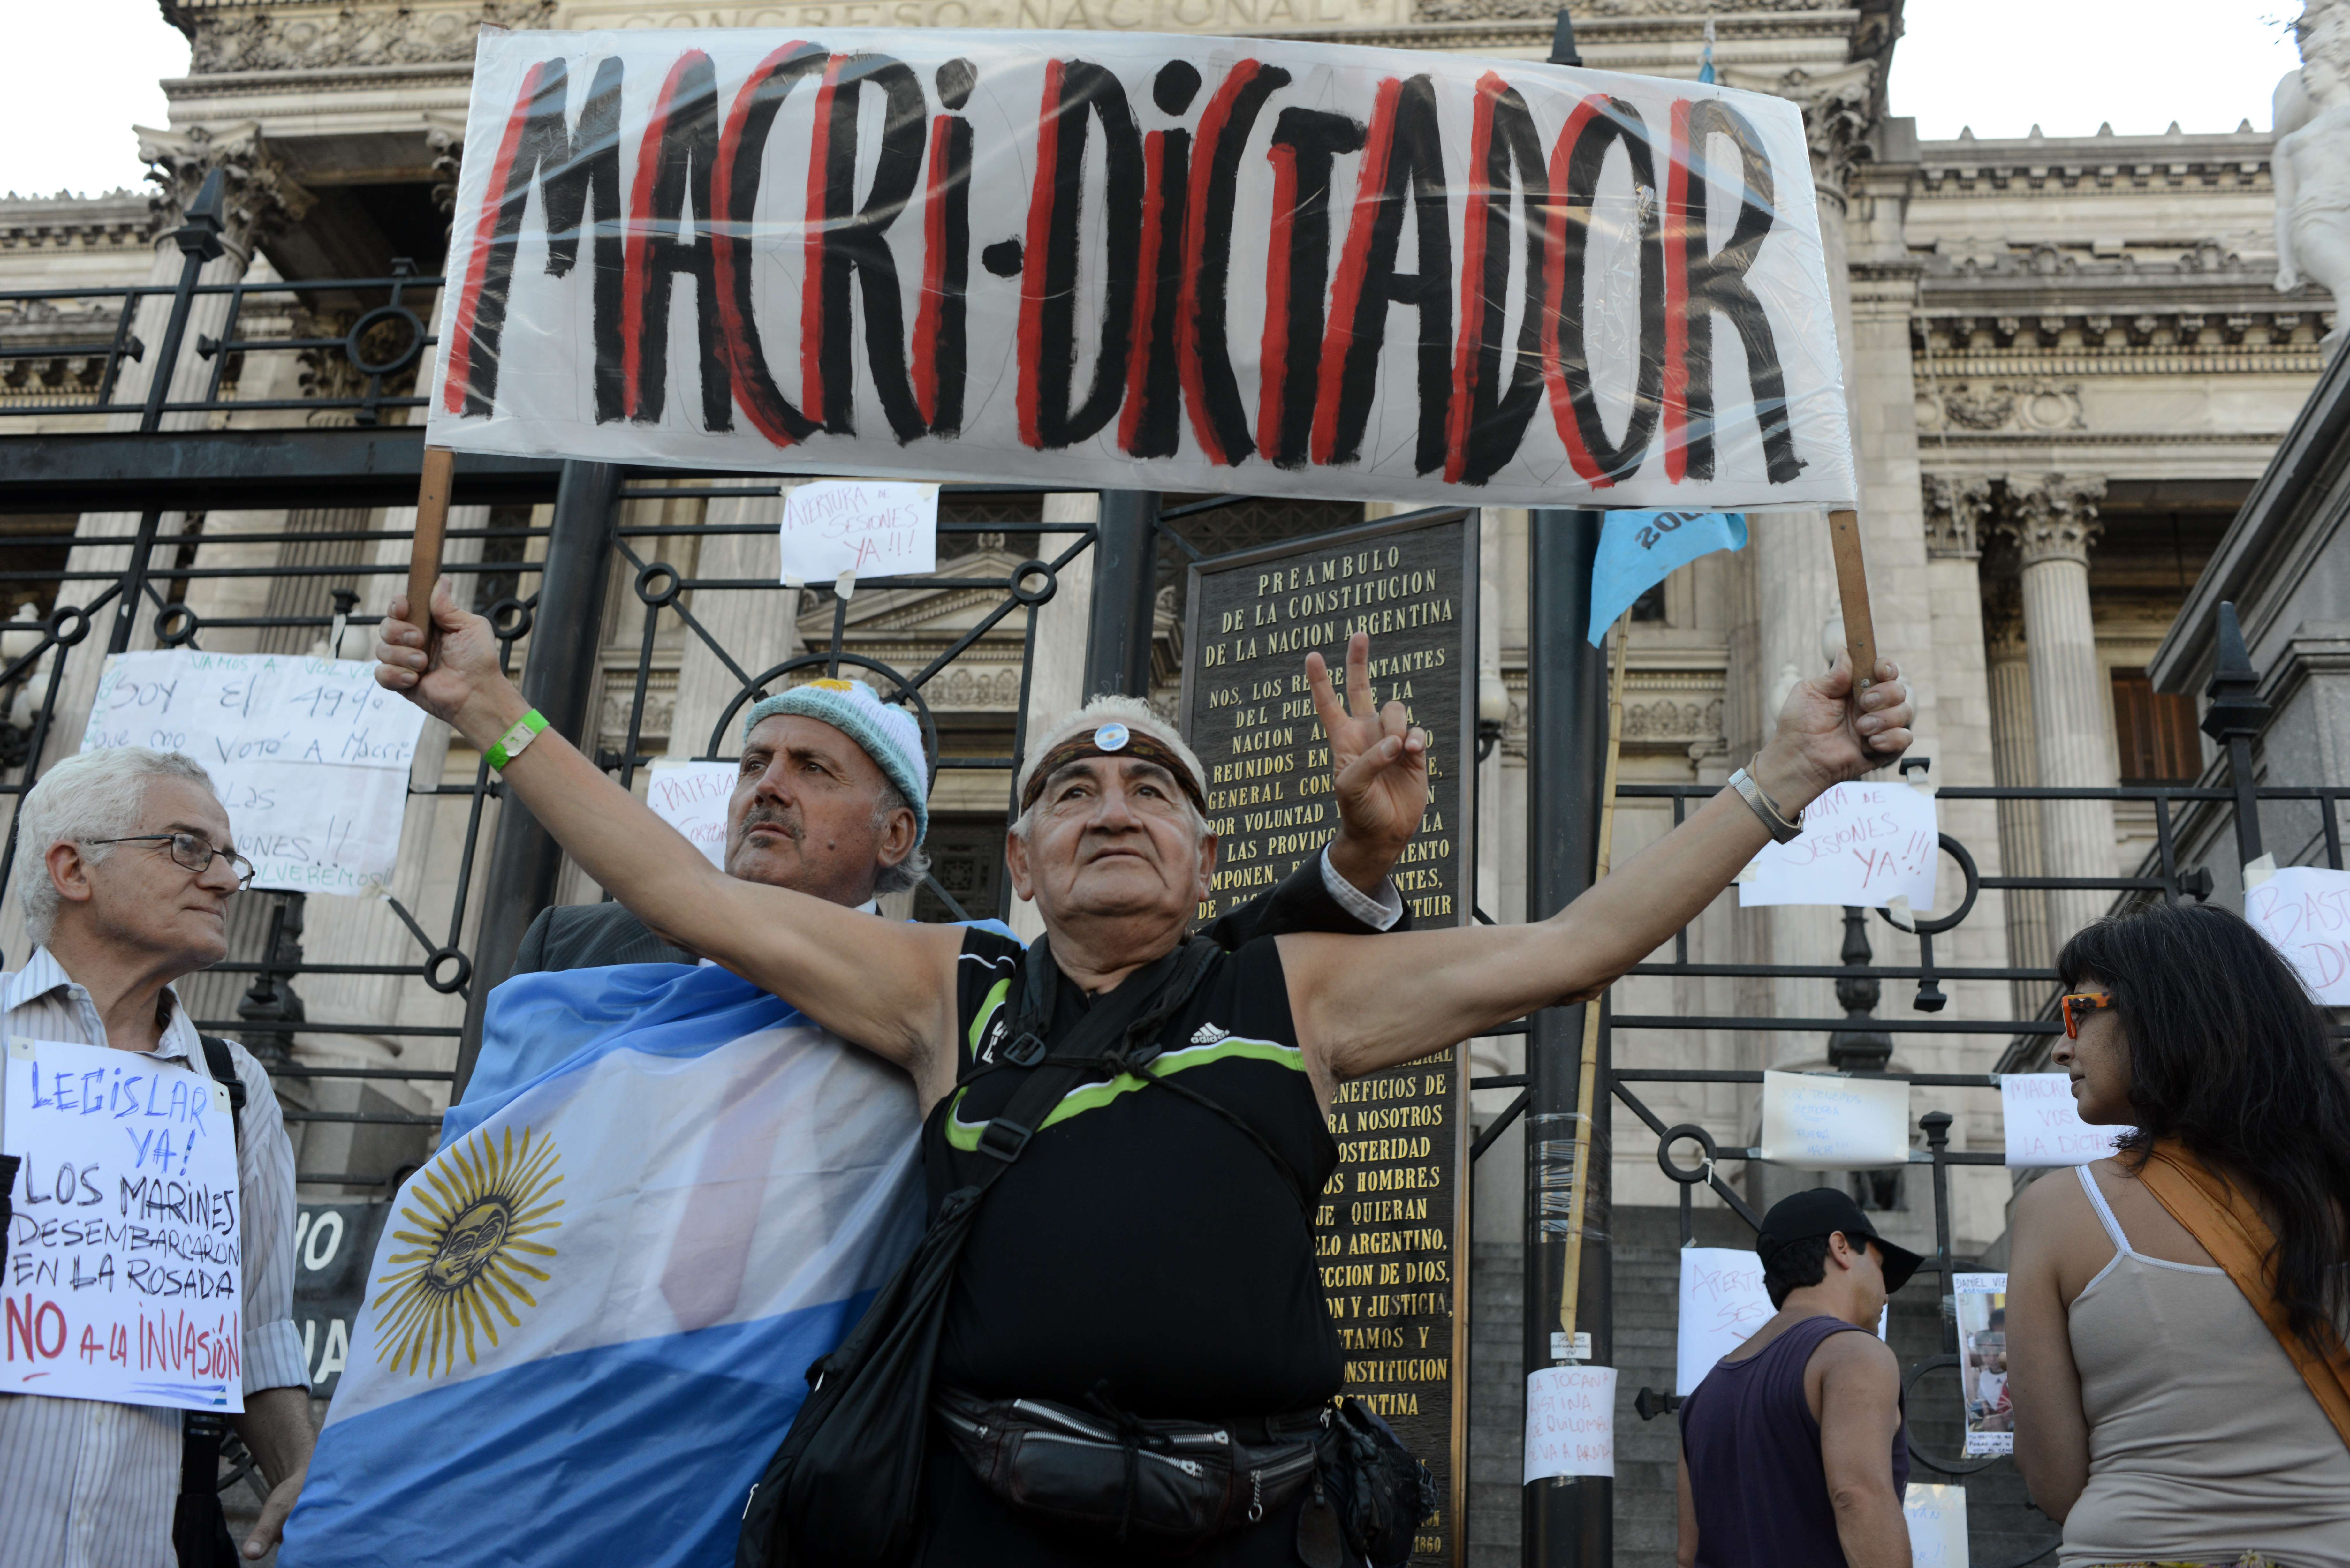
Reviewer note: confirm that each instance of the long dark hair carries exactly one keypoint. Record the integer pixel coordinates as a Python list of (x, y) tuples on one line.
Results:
[(2231, 1056)]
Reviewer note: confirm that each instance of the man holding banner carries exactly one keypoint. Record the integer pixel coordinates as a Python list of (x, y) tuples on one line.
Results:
[(1147, 1252)]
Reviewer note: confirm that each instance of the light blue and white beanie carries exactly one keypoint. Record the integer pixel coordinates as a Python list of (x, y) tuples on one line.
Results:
[(889, 734)]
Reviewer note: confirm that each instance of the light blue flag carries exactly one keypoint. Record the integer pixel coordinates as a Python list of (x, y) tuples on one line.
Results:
[(1637, 550), (589, 1321)]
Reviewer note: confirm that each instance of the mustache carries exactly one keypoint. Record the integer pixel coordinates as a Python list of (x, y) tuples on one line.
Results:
[(782, 818)]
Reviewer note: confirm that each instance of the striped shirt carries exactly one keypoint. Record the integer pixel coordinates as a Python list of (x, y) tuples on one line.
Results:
[(89, 1484)]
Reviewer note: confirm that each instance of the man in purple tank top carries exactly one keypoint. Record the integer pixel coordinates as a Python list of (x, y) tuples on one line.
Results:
[(1793, 1454)]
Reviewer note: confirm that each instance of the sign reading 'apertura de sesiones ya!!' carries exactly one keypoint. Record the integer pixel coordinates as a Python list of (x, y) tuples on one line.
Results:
[(1179, 263)]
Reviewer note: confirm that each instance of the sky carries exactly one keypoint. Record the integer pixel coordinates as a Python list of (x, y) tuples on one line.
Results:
[(67, 104)]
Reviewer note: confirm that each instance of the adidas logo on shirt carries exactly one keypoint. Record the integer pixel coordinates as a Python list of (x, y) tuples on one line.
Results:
[(1208, 1034)]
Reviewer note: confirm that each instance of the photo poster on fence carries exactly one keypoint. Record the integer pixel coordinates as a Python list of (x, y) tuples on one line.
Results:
[(1392, 1229), (1937, 1517), (310, 756), (1570, 1422), (1094, 260), (2044, 1125), (2305, 912), (1722, 1303), (1827, 1121), (1980, 1303), (125, 1276), (693, 797), (1866, 843), (838, 529)]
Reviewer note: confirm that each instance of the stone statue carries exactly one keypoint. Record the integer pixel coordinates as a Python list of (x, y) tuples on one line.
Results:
[(2312, 161)]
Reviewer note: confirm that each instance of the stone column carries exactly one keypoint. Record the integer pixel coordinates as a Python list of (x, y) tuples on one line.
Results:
[(1057, 677), (2053, 521)]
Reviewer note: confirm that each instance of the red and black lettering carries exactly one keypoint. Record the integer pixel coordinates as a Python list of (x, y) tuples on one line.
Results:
[(742, 146), (673, 169), (1599, 123), (1404, 149), (1078, 93), (1151, 425), (1306, 143), (941, 335), (846, 243), (578, 174), (1219, 417), (1487, 424)]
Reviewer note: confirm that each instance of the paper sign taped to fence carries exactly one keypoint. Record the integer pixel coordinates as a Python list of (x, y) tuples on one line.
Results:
[(1090, 260), (125, 1276), (1570, 1422), (309, 755), (2044, 1125), (692, 797), (1722, 1303), (2304, 910), (1826, 1121), (1980, 1303), (1864, 844), (863, 527), (1937, 1516)]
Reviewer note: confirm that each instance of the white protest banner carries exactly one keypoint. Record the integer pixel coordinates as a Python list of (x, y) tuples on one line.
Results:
[(1864, 844), (2044, 1126), (1980, 1302), (1937, 1516), (1570, 1422), (1095, 259), (836, 528), (1826, 1121), (1722, 1303), (125, 1277), (310, 755), (2304, 911), (692, 797)]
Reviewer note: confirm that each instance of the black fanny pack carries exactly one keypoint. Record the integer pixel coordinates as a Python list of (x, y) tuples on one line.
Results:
[(1170, 1487)]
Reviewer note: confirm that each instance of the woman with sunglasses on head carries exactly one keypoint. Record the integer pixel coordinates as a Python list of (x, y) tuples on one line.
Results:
[(2176, 1315)]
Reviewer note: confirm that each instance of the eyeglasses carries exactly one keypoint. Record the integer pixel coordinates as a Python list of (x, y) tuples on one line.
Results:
[(2078, 1007), (193, 852)]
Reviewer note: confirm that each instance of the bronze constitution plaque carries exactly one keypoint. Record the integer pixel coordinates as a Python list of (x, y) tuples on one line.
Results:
[(1392, 1234)]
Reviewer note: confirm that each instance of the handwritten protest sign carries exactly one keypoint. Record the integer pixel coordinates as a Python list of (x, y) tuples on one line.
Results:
[(124, 1277), (1722, 1303), (1570, 1422), (2304, 910), (1937, 1516), (1090, 260), (834, 528), (310, 755), (1864, 844), (2044, 1126), (692, 797), (1980, 1303), (1826, 1121)]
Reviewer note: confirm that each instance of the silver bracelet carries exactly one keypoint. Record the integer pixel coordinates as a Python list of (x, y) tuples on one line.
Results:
[(1774, 821)]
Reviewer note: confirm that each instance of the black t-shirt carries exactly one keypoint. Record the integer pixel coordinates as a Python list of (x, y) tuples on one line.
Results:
[(1141, 1243)]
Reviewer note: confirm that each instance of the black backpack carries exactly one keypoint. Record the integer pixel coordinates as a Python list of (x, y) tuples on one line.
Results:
[(845, 1488), (199, 1534)]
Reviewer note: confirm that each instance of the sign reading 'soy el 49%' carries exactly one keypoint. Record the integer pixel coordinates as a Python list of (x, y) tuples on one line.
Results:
[(1084, 260), (1392, 1232)]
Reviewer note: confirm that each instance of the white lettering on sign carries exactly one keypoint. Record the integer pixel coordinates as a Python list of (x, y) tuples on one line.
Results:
[(1722, 1303), (124, 1277), (862, 528), (1864, 844), (692, 797), (1570, 1422), (310, 755), (2304, 911), (2044, 1125), (1826, 1121)]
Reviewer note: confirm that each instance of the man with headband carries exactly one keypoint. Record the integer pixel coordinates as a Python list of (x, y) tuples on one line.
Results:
[(1148, 1253)]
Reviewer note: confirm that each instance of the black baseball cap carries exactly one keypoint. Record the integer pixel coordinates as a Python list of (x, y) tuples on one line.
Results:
[(1822, 1212)]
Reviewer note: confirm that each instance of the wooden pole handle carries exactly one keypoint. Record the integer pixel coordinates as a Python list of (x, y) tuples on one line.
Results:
[(431, 527), (1852, 588)]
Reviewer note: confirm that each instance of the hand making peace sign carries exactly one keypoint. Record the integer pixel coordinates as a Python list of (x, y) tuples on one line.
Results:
[(1378, 760)]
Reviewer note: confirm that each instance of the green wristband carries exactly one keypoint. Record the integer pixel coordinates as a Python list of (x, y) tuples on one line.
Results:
[(509, 744)]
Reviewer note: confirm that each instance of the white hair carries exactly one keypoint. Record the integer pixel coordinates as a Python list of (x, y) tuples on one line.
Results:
[(909, 872), (89, 796), (1136, 715)]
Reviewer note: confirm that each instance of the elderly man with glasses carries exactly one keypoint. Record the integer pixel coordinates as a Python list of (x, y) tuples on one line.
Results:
[(125, 865)]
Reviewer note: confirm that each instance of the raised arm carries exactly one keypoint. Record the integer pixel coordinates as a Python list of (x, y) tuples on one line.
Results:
[(1354, 1018), (881, 985)]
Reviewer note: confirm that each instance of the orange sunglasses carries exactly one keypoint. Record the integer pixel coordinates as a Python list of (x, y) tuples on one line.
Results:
[(2077, 1007)]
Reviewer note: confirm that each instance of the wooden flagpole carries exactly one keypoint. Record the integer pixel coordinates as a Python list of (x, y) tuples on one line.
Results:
[(1587, 1078), (1852, 588), (431, 527)]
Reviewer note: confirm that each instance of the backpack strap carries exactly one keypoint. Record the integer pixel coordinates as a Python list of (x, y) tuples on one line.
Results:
[(223, 1067), (199, 1536)]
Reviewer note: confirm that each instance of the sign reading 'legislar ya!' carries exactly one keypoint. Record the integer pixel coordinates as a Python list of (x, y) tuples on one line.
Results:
[(1175, 263)]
